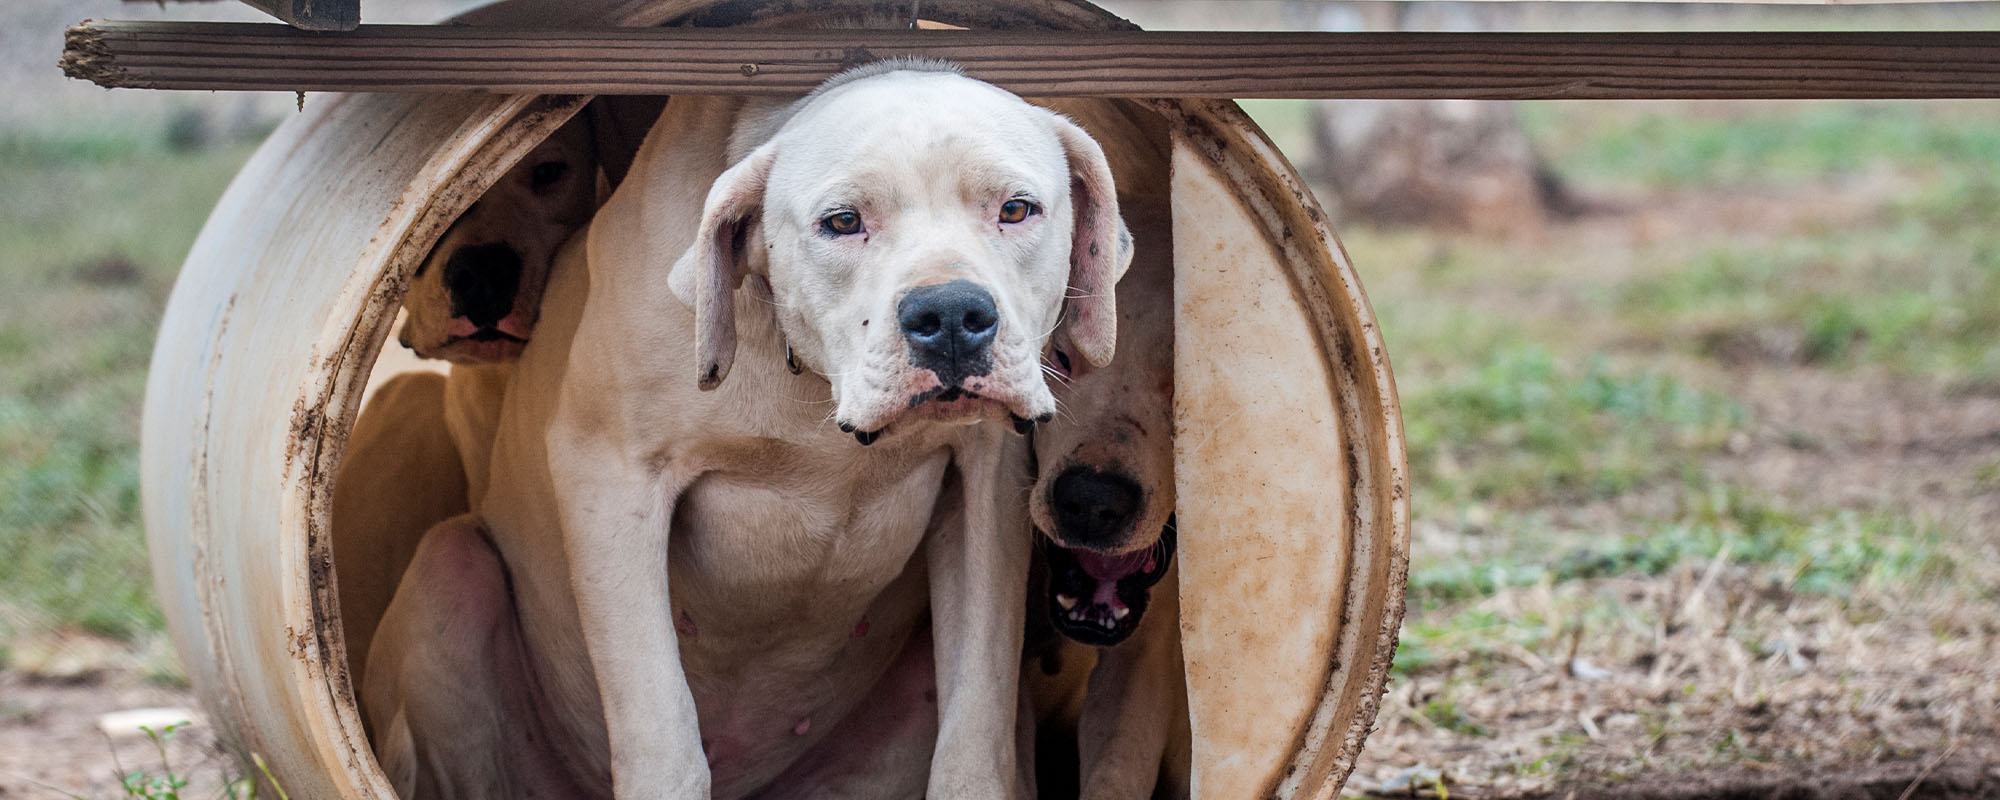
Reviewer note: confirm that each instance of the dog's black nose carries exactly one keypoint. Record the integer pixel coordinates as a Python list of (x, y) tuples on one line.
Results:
[(1093, 508), (482, 280), (950, 329)]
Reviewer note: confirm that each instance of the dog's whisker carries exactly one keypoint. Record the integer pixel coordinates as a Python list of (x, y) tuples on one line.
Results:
[(1056, 376)]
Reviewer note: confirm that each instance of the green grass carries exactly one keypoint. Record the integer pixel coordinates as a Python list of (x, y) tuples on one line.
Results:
[(1918, 292), (96, 225), (1525, 428), (1823, 553), (1662, 145)]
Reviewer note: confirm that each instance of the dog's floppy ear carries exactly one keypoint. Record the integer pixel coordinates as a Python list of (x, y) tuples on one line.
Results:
[(707, 275), (1100, 251)]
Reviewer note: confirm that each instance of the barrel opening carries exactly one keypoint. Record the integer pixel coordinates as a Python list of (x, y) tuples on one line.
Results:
[(292, 298)]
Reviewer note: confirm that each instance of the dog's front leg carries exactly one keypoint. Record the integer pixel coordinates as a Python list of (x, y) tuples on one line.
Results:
[(1128, 711), (615, 526), (978, 567)]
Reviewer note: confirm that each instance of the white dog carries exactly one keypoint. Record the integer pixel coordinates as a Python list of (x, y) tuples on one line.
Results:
[(702, 579)]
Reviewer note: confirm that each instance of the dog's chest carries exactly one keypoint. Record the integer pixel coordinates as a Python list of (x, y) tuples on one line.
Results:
[(781, 544)]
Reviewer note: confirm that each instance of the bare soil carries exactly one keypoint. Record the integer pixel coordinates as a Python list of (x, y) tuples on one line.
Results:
[(51, 745), (1742, 687), (1954, 778)]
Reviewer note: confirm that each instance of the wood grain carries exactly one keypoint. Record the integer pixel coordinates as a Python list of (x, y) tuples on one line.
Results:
[(1490, 66)]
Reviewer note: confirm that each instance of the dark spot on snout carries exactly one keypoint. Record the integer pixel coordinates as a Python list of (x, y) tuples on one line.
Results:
[(482, 281), (1094, 508), (950, 328)]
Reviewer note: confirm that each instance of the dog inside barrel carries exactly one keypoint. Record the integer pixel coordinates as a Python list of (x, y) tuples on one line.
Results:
[(417, 453), (1103, 670)]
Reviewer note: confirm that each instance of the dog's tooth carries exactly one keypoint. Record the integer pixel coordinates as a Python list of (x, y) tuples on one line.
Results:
[(1066, 601), (867, 437), (1120, 612)]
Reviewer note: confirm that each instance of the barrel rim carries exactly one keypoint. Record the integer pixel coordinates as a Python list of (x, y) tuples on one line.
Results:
[(1321, 276)]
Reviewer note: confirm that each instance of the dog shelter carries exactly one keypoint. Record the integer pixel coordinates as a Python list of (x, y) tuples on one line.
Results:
[(1293, 490)]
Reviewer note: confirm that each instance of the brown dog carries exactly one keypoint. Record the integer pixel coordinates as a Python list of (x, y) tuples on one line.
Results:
[(1103, 503)]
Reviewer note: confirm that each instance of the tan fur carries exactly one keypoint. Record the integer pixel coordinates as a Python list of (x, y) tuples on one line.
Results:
[(401, 475), (419, 450), (1127, 704)]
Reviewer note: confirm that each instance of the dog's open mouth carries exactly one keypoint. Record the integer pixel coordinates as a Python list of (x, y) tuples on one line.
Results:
[(1098, 599)]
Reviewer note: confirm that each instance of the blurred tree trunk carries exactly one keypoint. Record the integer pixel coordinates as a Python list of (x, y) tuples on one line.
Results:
[(1454, 163)]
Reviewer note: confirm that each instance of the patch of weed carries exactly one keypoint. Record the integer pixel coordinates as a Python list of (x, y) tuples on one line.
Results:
[(1528, 428), (1824, 552), (1446, 714), (1665, 146)]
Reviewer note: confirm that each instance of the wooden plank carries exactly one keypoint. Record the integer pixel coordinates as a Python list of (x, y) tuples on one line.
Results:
[(1645, 2), (313, 15), (1492, 66)]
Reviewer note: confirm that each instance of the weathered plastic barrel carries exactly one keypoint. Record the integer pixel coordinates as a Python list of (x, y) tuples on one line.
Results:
[(1293, 491)]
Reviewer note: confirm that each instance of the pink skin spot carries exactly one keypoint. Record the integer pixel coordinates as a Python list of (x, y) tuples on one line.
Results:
[(1106, 595), (684, 625), (805, 724), (860, 629)]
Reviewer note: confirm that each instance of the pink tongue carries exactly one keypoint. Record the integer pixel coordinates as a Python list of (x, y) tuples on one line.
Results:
[(1111, 568), (1108, 570), (1106, 595)]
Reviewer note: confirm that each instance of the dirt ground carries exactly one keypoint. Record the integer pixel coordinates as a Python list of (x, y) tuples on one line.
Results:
[(51, 745), (1742, 687)]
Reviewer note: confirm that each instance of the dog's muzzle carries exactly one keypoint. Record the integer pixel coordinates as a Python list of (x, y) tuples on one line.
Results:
[(482, 281), (1093, 508), (950, 328)]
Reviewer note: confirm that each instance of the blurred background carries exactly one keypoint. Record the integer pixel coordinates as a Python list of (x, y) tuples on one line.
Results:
[(1703, 404)]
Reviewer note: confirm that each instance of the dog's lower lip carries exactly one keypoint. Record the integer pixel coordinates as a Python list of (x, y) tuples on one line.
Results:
[(486, 335)]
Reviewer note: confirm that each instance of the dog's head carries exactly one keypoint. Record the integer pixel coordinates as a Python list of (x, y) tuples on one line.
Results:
[(476, 296), (919, 231), (1104, 494)]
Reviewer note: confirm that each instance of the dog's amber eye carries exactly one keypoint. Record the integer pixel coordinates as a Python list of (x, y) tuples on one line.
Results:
[(1017, 210), (841, 223)]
